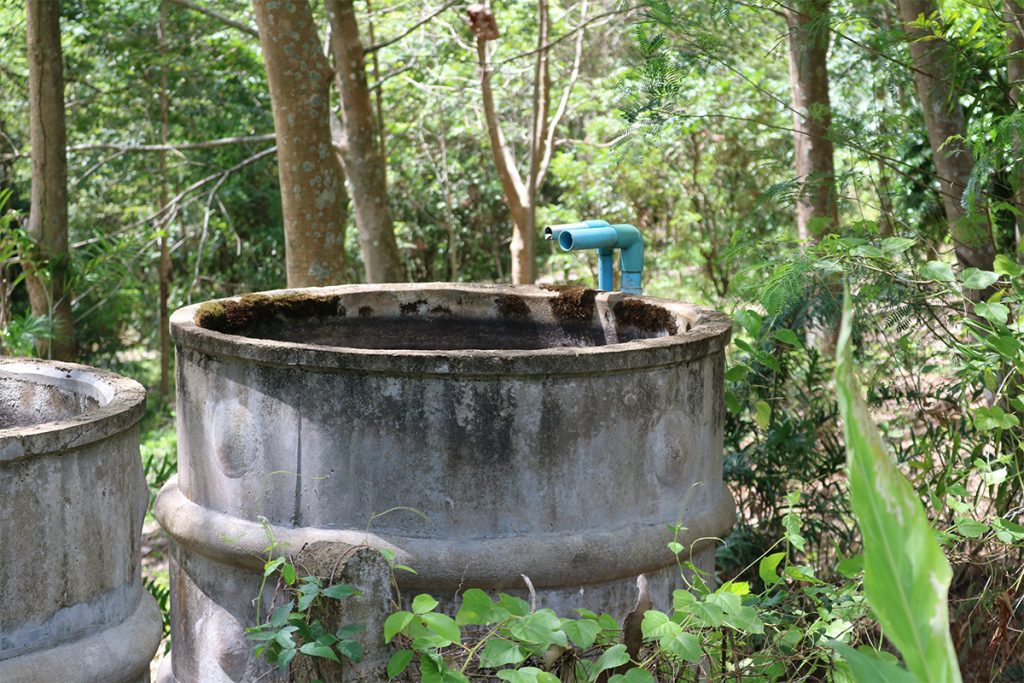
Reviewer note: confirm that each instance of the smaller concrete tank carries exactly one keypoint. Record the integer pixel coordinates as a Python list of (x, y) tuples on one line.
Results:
[(72, 502)]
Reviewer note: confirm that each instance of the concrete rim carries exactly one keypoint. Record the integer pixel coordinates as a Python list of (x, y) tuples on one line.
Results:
[(122, 404), (708, 332), (486, 561), (127, 648)]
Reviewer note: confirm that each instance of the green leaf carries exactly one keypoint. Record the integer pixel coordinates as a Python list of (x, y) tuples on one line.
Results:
[(897, 245), (352, 649), (280, 615), (399, 660), (271, 567), (851, 566), (499, 652), (868, 668), (1007, 531), (906, 576), (787, 336), (657, 625), (318, 650), (582, 632), (1004, 265), (737, 373), (937, 271), (349, 630), (288, 573), (528, 674), (478, 609), (423, 603), (684, 645), (978, 279), (766, 569), (994, 313), (543, 627), (994, 417), (340, 591), (442, 626), (516, 607), (970, 528), (634, 675), (396, 623), (614, 656), (762, 414)]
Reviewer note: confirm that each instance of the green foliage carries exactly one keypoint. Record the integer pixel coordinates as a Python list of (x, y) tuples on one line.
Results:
[(292, 628)]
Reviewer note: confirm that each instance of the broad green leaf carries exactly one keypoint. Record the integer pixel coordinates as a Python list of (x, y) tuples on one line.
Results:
[(612, 657), (395, 623), (399, 660), (995, 313), (978, 279), (766, 569), (657, 625), (478, 609), (318, 650), (423, 603), (443, 626), (340, 591), (762, 414), (582, 632), (684, 645), (543, 627), (499, 652), (906, 575), (994, 417), (787, 336), (288, 573), (1004, 265), (851, 566), (868, 668), (970, 528), (897, 245), (937, 271), (271, 567), (737, 373), (634, 675), (528, 674), (280, 615), (1007, 531), (517, 607)]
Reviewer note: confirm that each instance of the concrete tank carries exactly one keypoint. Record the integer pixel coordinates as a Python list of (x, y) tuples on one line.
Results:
[(547, 432), (72, 502)]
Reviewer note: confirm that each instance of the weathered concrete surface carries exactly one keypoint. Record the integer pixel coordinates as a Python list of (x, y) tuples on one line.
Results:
[(549, 433), (72, 502)]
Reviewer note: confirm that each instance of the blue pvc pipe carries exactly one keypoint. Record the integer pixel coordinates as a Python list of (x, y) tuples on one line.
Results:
[(624, 237), (552, 232)]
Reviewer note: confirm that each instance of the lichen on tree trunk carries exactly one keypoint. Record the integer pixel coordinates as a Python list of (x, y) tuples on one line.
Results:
[(314, 201)]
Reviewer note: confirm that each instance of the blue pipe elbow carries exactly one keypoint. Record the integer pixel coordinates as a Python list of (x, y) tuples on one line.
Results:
[(626, 238)]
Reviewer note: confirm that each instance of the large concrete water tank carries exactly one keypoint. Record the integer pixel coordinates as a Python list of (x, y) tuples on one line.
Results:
[(72, 502), (482, 432)]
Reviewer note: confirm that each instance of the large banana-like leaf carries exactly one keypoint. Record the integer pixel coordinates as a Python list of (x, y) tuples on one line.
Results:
[(906, 574)]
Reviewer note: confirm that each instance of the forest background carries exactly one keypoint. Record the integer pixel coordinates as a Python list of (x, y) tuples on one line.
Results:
[(767, 150)]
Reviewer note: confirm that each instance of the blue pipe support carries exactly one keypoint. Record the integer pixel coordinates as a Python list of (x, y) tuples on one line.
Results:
[(605, 240)]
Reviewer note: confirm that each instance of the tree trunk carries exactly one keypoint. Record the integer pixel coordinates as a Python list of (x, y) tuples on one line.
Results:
[(522, 196), (165, 254), (313, 197), (933, 61), (364, 164), (47, 266), (816, 212), (1015, 76)]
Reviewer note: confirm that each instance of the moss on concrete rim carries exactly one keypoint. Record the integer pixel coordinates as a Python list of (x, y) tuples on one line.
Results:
[(234, 315)]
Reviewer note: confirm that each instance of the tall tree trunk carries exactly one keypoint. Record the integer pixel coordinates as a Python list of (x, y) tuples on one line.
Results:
[(816, 212), (364, 164), (522, 195), (1015, 76), (48, 216), (165, 254), (933, 61), (313, 197)]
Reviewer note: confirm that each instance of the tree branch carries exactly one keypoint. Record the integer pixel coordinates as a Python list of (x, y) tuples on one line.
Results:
[(222, 18), (511, 182), (403, 34)]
